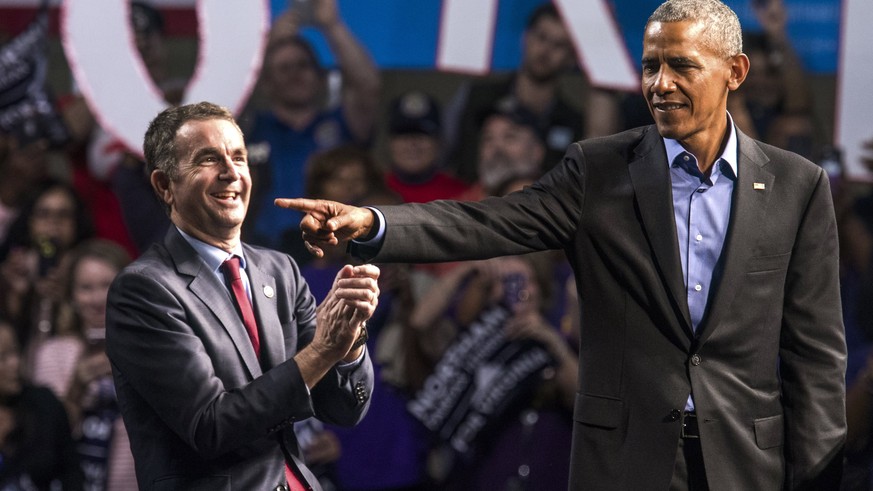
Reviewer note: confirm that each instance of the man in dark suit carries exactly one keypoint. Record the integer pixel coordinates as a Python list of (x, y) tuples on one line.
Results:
[(712, 345), (213, 363)]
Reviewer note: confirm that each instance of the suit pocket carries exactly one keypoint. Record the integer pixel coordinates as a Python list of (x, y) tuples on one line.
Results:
[(772, 262), (598, 411), (769, 432)]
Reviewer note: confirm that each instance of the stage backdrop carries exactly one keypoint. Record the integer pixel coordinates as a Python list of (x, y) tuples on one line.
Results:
[(469, 36)]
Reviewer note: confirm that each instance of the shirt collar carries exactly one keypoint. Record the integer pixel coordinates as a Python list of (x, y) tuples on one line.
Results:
[(211, 255), (729, 154)]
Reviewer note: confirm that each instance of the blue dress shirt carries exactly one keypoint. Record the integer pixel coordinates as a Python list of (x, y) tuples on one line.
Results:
[(215, 257), (702, 209)]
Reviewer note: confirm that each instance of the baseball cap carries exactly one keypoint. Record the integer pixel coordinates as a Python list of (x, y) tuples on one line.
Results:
[(511, 109), (414, 112)]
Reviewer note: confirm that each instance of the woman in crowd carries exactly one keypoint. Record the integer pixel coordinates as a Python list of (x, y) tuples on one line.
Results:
[(73, 363), (52, 222)]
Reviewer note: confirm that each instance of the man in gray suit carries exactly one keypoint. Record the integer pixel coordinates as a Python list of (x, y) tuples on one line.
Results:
[(712, 352), (217, 347)]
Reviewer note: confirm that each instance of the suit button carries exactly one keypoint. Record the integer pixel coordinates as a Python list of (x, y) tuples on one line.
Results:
[(695, 359), (674, 415), (360, 392)]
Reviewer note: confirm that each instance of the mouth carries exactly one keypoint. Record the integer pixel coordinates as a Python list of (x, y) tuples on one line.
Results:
[(667, 106), (229, 196)]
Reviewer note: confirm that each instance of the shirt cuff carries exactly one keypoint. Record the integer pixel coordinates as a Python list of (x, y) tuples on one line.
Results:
[(347, 368), (380, 229)]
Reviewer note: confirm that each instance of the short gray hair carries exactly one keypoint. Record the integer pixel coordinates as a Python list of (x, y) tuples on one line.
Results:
[(723, 33)]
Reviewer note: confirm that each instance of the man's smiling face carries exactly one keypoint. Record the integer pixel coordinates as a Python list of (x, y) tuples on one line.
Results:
[(210, 195), (685, 82)]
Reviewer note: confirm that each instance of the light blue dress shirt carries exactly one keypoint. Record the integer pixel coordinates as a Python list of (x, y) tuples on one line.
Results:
[(215, 257), (702, 209)]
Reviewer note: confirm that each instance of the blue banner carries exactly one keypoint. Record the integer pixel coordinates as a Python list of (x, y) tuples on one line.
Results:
[(405, 34)]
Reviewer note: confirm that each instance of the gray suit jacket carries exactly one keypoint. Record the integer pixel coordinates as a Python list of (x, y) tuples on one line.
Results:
[(201, 411), (767, 364)]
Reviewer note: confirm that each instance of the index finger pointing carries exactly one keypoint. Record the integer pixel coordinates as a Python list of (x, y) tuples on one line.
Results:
[(305, 205)]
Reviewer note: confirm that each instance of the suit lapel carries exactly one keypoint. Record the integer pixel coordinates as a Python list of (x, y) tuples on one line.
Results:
[(751, 193), (650, 175), (264, 295), (214, 296)]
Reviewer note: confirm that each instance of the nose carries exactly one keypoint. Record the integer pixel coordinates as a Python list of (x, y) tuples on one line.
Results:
[(663, 81), (229, 170)]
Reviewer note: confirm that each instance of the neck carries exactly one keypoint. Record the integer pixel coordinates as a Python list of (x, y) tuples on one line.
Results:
[(536, 95), (707, 147), (227, 241), (418, 178), (297, 117)]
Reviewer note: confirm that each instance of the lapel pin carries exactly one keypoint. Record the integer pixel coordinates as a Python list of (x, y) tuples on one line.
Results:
[(759, 185), (268, 291)]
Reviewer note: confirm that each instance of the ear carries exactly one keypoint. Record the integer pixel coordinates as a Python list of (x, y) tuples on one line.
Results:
[(739, 66), (161, 184)]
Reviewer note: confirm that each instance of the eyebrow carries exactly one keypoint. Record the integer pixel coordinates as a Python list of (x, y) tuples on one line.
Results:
[(675, 60), (204, 152), (208, 151), (681, 60)]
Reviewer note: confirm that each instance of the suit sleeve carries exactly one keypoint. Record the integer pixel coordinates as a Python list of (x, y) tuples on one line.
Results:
[(540, 217), (342, 396), (813, 350)]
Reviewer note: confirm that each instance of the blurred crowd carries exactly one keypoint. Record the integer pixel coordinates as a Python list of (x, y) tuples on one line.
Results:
[(74, 211)]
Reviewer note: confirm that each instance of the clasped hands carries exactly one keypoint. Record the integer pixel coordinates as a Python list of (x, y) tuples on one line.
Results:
[(341, 318)]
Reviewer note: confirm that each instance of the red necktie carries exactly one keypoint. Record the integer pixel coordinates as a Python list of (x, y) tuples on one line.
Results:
[(231, 272)]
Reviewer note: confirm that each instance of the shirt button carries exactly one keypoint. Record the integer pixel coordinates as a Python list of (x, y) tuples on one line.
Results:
[(695, 359), (686, 158), (699, 237), (697, 288)]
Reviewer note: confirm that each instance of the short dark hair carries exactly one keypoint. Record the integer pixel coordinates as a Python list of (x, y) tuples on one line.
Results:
[(322, 166), (547, 9), (298, 41), (18, 234), (159, 144)]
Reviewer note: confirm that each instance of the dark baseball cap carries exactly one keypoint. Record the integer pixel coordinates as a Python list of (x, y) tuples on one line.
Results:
[(515, 112), (414, 112)]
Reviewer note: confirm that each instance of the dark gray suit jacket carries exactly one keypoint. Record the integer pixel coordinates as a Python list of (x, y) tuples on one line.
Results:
[(201, 411), (767, 365)]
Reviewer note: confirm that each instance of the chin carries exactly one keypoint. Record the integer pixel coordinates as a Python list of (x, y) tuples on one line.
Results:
[(670, 131), (666, 131)]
